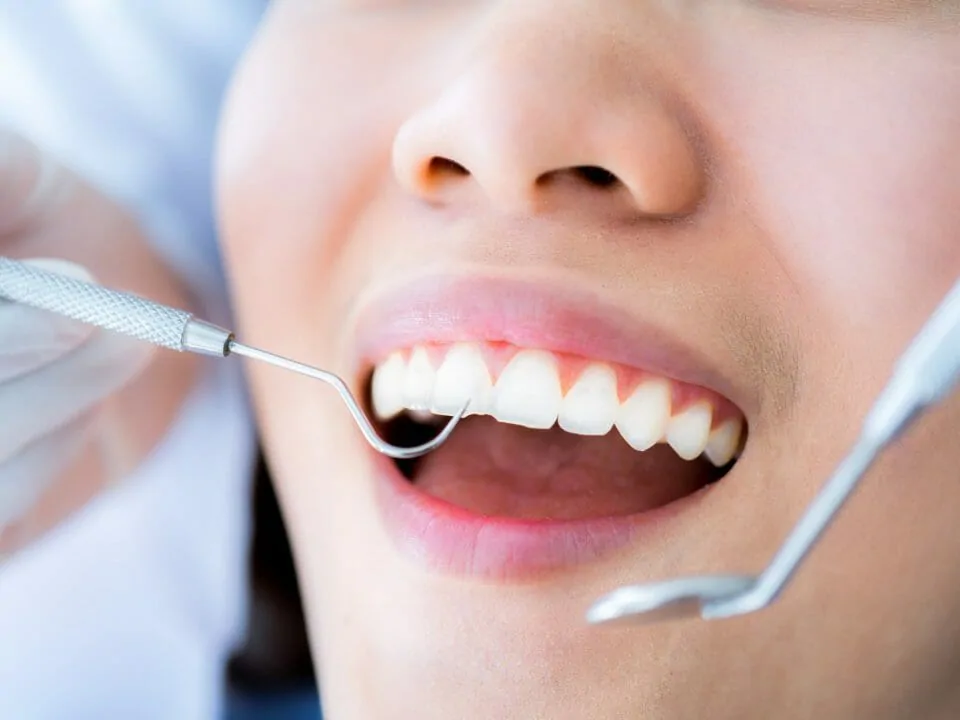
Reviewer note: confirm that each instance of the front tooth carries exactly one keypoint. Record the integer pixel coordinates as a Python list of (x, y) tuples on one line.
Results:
[(387, 391), (688, 431), (419, 381), (590, 407), (724, 442), (528, 391), (642, 419), (462, 376)]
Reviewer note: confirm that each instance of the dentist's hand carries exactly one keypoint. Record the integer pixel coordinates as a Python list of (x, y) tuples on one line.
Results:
[(79, 407), (54, 375)]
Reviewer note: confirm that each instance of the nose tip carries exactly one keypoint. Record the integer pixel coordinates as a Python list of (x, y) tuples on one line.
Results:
[(519, 149), (447, 152)]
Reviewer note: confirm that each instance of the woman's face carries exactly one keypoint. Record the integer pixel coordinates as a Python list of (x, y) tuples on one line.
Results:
[(709, 227)]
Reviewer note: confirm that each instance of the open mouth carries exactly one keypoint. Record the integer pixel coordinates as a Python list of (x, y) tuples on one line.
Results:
[(551, 436)]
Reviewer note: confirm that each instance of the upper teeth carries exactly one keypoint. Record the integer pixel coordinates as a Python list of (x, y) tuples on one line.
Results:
[(528, 392)]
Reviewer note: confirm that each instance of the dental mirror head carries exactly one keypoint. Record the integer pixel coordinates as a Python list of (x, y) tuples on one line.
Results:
[(677, 599)]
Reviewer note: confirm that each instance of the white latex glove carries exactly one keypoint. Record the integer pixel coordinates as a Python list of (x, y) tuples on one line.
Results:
[(55, 373)]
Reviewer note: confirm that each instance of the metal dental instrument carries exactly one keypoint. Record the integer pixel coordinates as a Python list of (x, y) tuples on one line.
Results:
[(924, 375), (168, 327)]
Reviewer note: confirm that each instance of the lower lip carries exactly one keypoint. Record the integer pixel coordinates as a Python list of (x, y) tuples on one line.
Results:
[(452, 540)]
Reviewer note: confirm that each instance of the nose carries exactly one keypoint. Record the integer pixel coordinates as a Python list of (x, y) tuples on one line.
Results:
[(537, 123)]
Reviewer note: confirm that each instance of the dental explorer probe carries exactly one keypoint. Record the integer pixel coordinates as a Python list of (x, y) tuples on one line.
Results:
[(923, 376), (174, 329)]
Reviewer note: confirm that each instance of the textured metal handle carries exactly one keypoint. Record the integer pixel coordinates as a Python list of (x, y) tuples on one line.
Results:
[(92, 304)]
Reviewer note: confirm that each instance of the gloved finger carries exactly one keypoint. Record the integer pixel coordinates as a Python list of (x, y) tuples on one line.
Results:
[(25, 477), (40, 402), (31, 181), (31, 338)]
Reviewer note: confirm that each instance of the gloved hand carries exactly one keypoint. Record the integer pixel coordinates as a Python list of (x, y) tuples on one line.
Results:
[(55, 373)]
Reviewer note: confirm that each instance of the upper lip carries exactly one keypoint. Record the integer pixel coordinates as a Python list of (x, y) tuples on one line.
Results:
[(565, 319)]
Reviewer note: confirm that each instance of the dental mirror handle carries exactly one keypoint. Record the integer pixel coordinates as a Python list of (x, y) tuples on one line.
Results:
[(174, 329), (926, 373)]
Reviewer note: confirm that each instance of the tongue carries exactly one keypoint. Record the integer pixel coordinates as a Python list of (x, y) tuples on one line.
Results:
[(494, 469)]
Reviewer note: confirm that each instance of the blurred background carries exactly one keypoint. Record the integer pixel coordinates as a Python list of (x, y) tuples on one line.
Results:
[(127, 94)]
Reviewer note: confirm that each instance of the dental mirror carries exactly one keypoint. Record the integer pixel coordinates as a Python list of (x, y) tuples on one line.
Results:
[(676, 599), (926, 373)]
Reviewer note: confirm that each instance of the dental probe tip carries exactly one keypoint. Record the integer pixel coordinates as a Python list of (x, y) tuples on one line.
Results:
[(363, 422), (399, 453)]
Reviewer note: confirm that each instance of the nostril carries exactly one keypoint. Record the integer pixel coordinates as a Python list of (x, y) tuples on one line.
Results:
[(440, 167), (592, 175), (596, 176)]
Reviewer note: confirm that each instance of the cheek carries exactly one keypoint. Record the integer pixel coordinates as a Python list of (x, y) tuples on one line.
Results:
[(853, 150), (303, 120), (304, 153)]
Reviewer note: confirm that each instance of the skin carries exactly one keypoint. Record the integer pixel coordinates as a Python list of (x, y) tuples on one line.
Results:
[(789, 207)]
